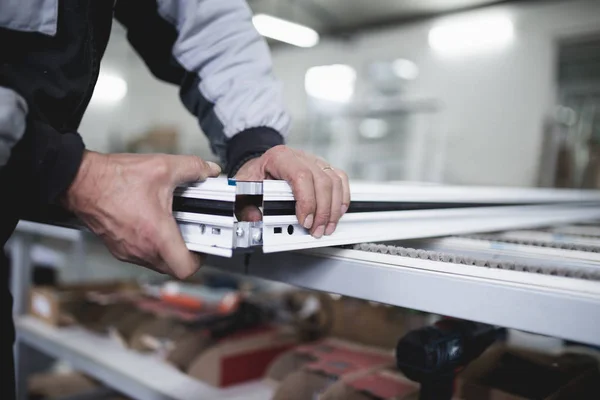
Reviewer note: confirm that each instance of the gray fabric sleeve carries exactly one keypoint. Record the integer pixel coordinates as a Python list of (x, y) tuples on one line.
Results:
[(13, 115), (233, 88)]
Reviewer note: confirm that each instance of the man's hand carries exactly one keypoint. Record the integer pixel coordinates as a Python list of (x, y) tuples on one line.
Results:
[(126, 200), (322, 193)]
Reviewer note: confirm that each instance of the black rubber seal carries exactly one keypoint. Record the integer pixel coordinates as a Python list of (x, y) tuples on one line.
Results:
[(202, 206), (277, 208)]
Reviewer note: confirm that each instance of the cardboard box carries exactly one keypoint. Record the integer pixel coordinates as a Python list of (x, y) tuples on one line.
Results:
[(186, 348), (59, 305), (370, 323), (55, 385), (156, 335), (312, 368), (242, 356), (504, 373), (63, 385), (123, 326), (385, 384)]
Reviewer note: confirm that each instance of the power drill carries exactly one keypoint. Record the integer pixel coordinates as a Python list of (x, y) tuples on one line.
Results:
[(433, 355)]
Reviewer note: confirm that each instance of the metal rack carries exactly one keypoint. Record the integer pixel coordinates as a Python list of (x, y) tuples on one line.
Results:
[(559, 301), (566, 308), (136, 375)]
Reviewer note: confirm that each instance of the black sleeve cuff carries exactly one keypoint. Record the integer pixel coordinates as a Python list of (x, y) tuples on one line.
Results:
[(250, 144), (48, 161)]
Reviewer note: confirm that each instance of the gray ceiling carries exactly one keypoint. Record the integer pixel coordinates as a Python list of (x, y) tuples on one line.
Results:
[(347, 16)]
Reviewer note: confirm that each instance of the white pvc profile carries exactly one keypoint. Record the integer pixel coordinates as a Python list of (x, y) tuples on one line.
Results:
[(509, 209), (394, 192), (209, 234), (211, 189), (398, 225)]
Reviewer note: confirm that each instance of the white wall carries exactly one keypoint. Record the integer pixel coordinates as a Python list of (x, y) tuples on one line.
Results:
[(494, 103)]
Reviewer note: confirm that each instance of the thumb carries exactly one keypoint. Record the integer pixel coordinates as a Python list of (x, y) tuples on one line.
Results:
[(175, 257), (188, 169)]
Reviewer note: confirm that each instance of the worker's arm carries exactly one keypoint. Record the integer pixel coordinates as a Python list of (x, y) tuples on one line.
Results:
[(37, 162), (211, 49), (13, 115), (125, 199), (223, 66)]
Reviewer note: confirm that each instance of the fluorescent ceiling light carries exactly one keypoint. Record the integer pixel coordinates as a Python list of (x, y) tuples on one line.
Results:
[(472, 34), (285, 31), (405, 69), (333, 83), (110, 89)]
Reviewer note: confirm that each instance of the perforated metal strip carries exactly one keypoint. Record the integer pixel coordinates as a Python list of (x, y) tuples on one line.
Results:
[(538, 243), (479, 262)]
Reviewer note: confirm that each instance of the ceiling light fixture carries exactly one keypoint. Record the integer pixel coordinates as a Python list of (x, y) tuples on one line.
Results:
[(285, 31), (471, 34), (333, 83)]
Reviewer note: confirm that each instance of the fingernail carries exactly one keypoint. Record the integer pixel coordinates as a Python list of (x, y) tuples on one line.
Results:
[(330, 228), (319, 232), (308, 222), (344, 209), (214, 167)]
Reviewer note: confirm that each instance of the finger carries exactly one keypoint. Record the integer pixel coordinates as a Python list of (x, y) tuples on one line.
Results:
[(285, 164), (178, 260), (323, 187), (249, 213), (192, 169), (346, 191), (303, 189), (337, 194), (247, 208)]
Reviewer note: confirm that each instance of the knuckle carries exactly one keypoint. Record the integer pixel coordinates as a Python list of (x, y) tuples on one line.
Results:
[(304, 207), (337, 181), (302, 176), (276, 152), (277, 149), (322, 217), (161, 168), (324, 182), (198, 164)]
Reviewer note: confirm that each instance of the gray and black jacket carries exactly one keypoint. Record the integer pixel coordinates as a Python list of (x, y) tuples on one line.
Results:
[(50, 51)]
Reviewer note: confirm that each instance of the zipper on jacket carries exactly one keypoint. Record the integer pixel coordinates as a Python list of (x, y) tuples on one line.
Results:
[(94, 68)]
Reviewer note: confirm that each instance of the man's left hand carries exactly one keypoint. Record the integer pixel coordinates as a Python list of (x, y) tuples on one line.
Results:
[(322, 193)]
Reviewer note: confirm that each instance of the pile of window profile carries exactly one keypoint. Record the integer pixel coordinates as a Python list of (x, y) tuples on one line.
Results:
[(378, 213)]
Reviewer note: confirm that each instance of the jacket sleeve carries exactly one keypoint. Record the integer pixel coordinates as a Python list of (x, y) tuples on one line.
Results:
[(223, 66), (37, 163), (13, 114)]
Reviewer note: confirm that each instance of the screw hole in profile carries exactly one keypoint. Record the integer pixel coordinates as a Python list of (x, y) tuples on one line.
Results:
[(290, 229)]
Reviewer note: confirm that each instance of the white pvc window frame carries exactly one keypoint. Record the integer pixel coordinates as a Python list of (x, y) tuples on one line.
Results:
[(221, 235)]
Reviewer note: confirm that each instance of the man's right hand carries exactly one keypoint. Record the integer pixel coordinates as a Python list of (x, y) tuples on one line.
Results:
[(126, 199)]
